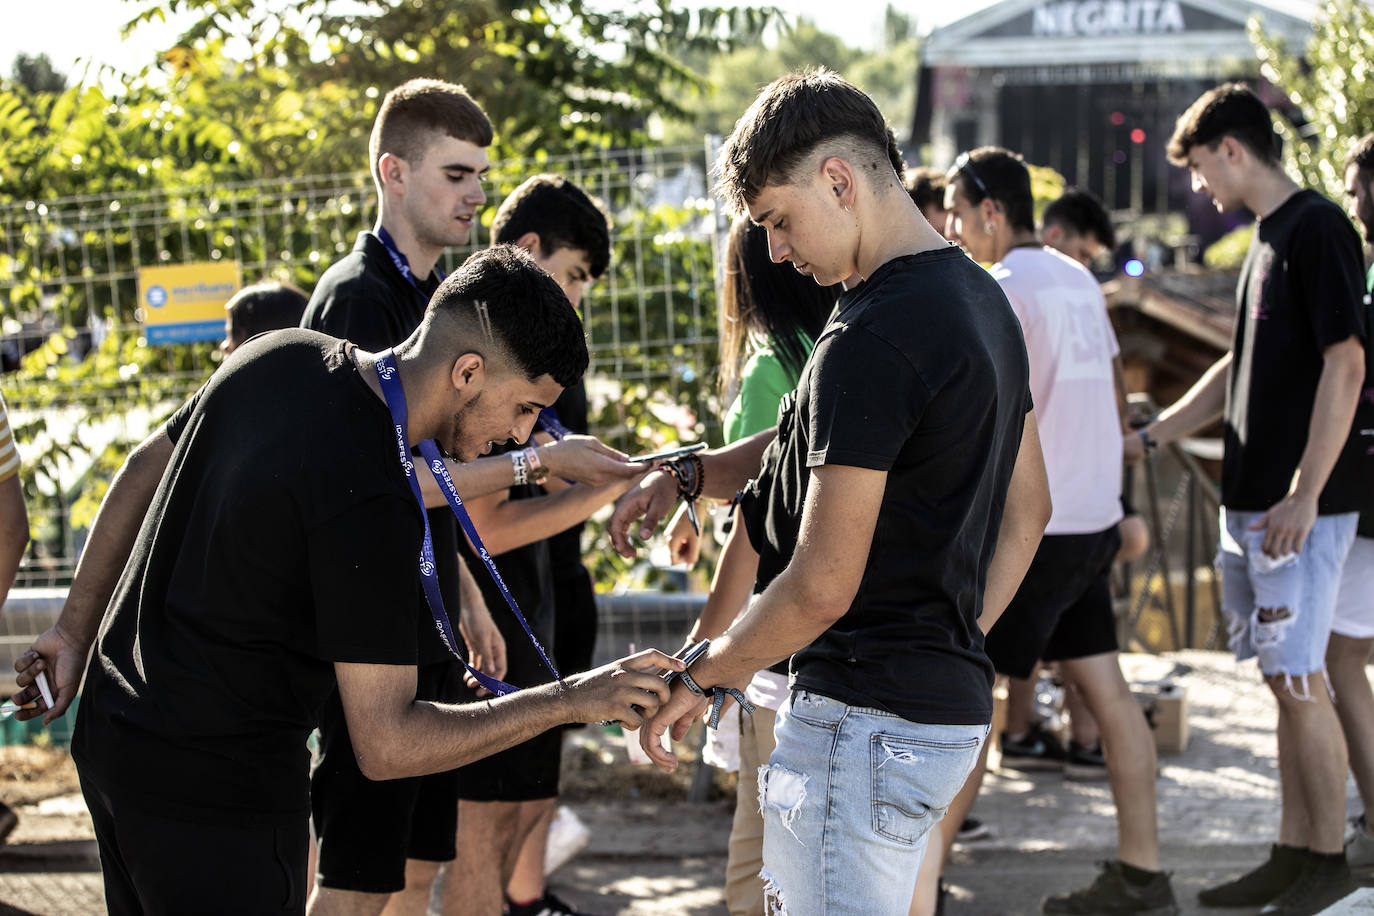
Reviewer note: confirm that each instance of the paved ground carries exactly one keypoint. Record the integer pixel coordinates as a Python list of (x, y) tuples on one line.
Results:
[(1216, 802)]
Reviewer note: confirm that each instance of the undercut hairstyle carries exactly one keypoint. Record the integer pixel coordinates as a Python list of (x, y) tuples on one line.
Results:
[(1079, 212), (1362, 156), (502, 305), (1004, 178), (415, 111), (561, 214), (926, 187), (794, 118), (1229, 110), (766, 303), (266, 306)]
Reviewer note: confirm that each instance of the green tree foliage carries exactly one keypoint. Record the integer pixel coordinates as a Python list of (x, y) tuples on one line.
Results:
[(36, 74), (1332, 82)]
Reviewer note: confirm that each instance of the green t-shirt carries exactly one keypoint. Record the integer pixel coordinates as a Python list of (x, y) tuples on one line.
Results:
[(763, 383)]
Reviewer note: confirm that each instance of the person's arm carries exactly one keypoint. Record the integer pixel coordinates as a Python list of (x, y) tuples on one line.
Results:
[(736, 569), (1024, 518), (1288, 522), (1123, 407), (506, 523), (62, 649), (1202, 404), (14, 532), (581, 459), (724, 471), (396, 736), (816, 589)]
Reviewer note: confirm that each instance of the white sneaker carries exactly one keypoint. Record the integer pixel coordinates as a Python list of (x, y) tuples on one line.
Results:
[(1359, 849), (567, 837)]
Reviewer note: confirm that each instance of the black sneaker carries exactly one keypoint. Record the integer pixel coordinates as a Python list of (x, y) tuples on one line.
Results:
[(1085, 763), (548, 905), (1112, 893), (1323, 882), (970, 828), (1257, 887), (1038, 750)]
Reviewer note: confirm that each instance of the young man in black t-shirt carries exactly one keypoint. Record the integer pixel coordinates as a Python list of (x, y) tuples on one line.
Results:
[(1290, 490), (907, 494), (279, 555)]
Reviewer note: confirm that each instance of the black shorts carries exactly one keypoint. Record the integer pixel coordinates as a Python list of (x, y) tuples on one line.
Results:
[(367, 829), (574, 622), (527, 771), (1063, 609), (154, 863)]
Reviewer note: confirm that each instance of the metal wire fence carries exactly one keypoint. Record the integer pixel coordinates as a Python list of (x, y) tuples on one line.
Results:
[(82, 384)]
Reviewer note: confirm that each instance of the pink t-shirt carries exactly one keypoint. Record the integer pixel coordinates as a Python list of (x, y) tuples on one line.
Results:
[(1070, 343)]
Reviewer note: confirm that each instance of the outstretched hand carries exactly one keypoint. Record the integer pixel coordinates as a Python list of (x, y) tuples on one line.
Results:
[(63, 660), (627, 691), (586, 459), (649, 501)]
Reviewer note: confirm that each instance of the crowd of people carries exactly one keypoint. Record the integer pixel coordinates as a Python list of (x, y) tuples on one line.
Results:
[(925, 444)]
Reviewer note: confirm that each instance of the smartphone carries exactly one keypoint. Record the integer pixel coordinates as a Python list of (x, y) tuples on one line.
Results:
[(688, 654), (669, 455)]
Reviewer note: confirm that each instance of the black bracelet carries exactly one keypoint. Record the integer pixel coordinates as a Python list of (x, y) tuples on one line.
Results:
[(1151, 445)]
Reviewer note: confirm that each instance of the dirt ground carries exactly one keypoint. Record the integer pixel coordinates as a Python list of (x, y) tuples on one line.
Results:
[(30, 774)]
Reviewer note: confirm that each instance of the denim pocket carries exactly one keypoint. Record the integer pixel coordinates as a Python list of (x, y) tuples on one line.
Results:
[(815, 710), (913, 777)]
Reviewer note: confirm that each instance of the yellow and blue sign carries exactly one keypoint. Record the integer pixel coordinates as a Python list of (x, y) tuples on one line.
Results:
[(185, 302)]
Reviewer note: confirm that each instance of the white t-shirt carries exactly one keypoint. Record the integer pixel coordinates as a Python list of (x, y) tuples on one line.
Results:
[(1070, 344)]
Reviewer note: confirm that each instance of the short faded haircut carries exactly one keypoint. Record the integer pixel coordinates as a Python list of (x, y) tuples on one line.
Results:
[(1229, 110), (415, 111), (789, 121), (561, 214)]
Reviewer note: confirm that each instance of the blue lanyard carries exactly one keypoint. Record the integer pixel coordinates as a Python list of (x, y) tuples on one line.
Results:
[(400, 260), (548, 418), (396, 402)]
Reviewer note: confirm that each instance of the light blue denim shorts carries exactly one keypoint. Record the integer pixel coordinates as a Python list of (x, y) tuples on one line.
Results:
[(1282, 612), (848, 799)]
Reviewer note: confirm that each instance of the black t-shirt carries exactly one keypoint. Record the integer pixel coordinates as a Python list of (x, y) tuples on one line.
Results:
[(565, 548), (1300, 291), (262, 560), (922, 373), (364, 298)]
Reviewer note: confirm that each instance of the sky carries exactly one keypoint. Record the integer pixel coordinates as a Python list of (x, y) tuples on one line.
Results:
[(72, 30)]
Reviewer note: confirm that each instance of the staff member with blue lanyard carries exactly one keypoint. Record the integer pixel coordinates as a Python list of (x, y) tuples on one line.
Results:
[(281, 551)]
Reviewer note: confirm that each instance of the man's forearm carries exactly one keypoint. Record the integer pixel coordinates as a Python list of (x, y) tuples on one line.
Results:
[(434, 737), (1027, 511), (486, 475), (1202, 404), (1333, 414), (728, 469), (518, 522), (113, 533)]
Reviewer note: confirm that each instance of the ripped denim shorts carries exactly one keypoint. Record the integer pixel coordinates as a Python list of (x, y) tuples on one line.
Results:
[(848, 799), (1281, 610)]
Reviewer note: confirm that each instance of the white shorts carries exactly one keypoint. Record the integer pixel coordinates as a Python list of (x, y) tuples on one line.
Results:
[(1355, 600)]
